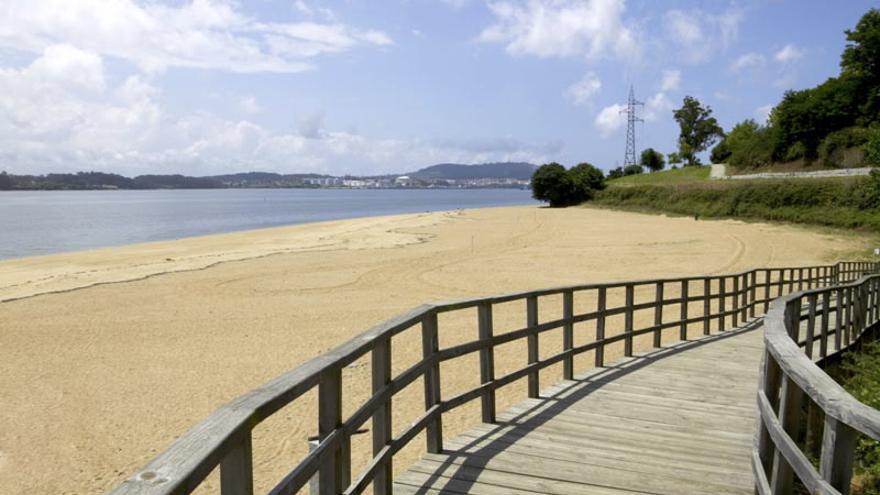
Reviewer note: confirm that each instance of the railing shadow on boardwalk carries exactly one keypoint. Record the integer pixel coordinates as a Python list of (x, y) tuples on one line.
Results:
[(552, 405)]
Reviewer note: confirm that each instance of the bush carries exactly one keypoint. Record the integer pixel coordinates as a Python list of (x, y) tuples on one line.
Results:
[(652, 160), (872, 147), (846, 203), (749, 145), (833, 148), (720, 153), (561, 187)]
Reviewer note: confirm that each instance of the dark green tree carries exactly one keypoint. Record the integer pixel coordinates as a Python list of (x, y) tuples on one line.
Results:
[(553, 184), (652, 160), (862, 53), (698, 130), (586, 179)]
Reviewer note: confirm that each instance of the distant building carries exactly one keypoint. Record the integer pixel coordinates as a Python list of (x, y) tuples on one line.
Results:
[(403, 180), (354, 183)]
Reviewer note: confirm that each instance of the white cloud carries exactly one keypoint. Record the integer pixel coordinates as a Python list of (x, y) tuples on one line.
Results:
[(697, 35), (789, 53), (671, 80), (561, 28), (747, 61), (762, 113), (248, 104), (582, 91), (610, 119), (658, 106), (49, 124), (206, 34)]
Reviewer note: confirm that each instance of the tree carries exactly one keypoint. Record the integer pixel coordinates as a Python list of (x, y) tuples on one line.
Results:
[(720, 153), (561, 187), (586, 179), (699, 130), (632, 169), (5, 181), (552, 183), (862, 54), (652, 160), (615, 173)]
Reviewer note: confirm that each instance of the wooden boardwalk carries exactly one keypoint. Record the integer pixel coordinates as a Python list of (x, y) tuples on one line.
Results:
[(678, 420)]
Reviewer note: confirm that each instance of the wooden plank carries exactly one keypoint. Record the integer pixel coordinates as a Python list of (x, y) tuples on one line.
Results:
[(237, 470), (658, 312), (430, 346), (487, 363), (628, 322), (781, 478), (533, 343), (735, 301), (721, 303), (332, 478), (382, 432), (838, 448), (600, 327), (707, 305), (567, 334), (682, 332), (823, 342)]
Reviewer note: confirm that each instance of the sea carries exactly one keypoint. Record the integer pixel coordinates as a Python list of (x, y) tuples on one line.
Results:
[(34, 223)]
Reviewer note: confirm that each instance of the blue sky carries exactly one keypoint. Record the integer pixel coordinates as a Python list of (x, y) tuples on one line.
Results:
[(357, 87)]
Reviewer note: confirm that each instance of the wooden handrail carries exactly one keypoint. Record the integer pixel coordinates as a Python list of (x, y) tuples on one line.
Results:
[(790, 375), (224, 438)]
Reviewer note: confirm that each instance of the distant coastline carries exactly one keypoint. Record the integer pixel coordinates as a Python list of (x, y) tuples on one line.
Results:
[(447, 176)]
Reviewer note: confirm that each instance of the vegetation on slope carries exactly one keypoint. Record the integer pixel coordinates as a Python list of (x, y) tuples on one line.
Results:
[(672, 176), (851, 202)]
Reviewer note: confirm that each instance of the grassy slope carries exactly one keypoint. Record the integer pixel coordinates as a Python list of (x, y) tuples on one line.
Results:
[(835, 202), (676, 176)]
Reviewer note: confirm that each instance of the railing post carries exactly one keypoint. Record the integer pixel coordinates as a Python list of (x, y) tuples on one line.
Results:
[(744, 315), (381, 377), (847, 315), (430, 346), (567, 334), (658, 313), (532, 342), (789, 408), (600, 327), (707, 304), (823, 343), (721, 306), (332, 472), (682, 333), (487, 362), (812, 299), (628, 322), (735, 307), (770, 389), (753, 293), (768, 274), (838, 447), (838, 319), (237, 469)]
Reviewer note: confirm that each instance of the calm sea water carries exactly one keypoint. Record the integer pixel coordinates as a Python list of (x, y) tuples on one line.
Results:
[(43, 222)]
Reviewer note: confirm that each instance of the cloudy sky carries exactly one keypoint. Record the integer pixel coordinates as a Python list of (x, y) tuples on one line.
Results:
[(371, 86)]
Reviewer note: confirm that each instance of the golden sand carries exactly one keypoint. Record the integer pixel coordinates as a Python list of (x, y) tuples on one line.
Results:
[(108, 355)]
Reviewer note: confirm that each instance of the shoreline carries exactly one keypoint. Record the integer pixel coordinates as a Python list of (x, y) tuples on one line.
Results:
[(156, 257), (100, 379)]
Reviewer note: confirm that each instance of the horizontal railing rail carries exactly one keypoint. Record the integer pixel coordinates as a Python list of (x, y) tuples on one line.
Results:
[(802, 412), (223, 439)]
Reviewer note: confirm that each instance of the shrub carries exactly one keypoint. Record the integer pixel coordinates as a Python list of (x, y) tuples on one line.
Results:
[(720, 153), (652, 160), (561, 187), (872, 147), (833, 148), (749, 145)]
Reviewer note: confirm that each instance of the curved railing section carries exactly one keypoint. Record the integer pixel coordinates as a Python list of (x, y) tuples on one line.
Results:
[(803, 413), (687, 305)]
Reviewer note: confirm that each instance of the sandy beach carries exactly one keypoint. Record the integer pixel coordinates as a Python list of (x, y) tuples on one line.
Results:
[(108, 355)]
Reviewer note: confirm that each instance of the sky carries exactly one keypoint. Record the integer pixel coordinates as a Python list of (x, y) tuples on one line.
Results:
[(363, 87)]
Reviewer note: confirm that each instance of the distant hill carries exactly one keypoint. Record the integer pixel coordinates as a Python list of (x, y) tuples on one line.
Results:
[(453, 171)]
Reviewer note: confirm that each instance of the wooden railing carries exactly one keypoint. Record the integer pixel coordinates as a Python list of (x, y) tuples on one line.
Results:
[(683, 305), (803, 413)]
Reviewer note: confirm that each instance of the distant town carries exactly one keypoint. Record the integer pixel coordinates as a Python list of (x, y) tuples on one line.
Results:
[(444, 175)]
